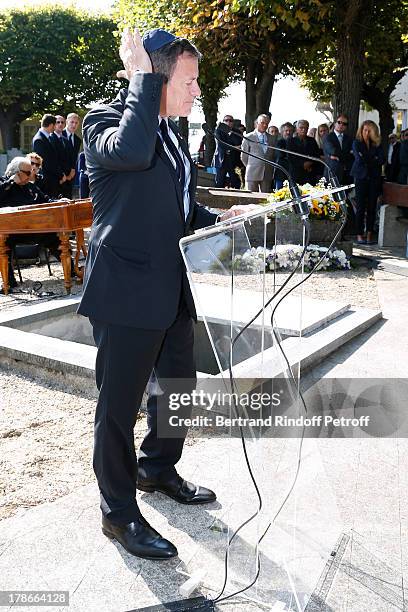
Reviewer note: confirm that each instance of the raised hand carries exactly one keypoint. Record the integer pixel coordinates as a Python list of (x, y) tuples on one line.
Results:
[(133, 55)]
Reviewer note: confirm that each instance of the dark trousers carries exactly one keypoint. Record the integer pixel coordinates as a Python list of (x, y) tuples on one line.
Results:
[(125, 360), (367, 192), (221, 177)]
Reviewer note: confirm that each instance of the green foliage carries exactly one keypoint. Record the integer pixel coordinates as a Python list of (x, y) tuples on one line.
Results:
[(386, 52), (54, 59)]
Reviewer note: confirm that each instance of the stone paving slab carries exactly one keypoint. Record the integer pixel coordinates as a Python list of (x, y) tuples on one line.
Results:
[(293, 317), (60, 545)]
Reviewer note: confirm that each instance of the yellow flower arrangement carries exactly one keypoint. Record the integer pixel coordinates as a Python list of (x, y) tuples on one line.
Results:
[(322, 207)]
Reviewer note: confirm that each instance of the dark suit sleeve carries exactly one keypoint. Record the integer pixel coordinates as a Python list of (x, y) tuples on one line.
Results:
[(329, 147), (202, 217), (42, 197), (5, 187), (122, 141), (403, 153), (51, 161)]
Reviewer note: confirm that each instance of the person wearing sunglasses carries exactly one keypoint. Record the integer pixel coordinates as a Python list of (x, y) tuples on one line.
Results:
[(337, 150), (18, 188), (36, 168)]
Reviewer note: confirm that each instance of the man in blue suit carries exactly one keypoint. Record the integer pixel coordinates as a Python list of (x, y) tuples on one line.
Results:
[(136, 292), (337, 151)]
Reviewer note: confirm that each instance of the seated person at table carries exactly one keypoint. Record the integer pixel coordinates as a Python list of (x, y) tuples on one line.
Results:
[(16, 189)]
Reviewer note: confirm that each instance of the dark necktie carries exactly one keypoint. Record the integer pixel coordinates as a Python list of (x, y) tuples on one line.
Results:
[(180, 169)]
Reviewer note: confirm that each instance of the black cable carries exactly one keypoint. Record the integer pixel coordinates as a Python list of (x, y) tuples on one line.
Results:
[(305, 223), (219, 599)]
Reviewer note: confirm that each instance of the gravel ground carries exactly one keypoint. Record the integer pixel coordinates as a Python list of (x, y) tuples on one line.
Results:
[(357, 286), (46, 437), (46, 432), (36, 283)]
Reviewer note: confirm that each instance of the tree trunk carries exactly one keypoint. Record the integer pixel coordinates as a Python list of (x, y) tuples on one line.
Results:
[(258, 90), (380, 100), (351, 19), (210, 110), (386, 122), (250, 95), (183, 127), (10, 130)]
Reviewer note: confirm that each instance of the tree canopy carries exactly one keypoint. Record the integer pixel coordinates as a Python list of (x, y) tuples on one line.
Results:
[(53, 59), (384, 59)]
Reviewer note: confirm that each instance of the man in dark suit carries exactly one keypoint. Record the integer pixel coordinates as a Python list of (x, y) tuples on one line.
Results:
[(227, 160), (392, 167), (303, 170), (282, 159), (65, 152), (403, 159), (337, 147), (53, 172), (74, 146), (136, 291)]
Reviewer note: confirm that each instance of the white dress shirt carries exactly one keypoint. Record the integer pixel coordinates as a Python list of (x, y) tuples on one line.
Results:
[(187, 168)]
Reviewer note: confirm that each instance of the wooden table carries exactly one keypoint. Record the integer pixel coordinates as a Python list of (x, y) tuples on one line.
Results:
[(61, 218)]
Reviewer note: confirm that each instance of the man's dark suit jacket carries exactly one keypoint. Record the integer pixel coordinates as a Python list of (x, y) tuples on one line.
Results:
[(403, 163), (308, 146), (73, 150), (51, 168), (135, 274), (223, 155), (392, 169), (342, 167), (61, 144)]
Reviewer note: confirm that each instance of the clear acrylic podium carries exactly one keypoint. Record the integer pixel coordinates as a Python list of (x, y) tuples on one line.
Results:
[(286, 533)]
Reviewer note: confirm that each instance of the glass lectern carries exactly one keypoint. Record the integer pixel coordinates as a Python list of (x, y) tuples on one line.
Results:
[(274, 530)]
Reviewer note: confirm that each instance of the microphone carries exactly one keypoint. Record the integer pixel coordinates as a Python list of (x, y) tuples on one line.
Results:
[(299, 206), (339, 196)]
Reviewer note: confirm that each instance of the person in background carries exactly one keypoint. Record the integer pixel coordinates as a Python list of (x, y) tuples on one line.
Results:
[(83, 176), (273, 130), (337, 151), (36, 168), (304, 170), (366, 171), (286, 131), (45, 146), (312, 132), (392, 167), (65, 153), (258, 175), (403, 159), (321, 133), (227, 160), (74, 146), (18, 189)]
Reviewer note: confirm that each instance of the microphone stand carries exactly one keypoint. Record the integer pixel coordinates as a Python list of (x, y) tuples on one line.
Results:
[(338, 196), (299, 206)]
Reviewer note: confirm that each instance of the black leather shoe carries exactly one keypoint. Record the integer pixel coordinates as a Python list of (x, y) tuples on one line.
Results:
[(181, 490), (139, 539)]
